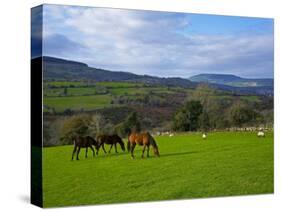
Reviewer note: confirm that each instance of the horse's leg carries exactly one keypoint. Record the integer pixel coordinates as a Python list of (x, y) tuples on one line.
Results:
[(132, 150), (93, 151), (74, 150), (143, 150), (77, 155), (98, 148), (148, 151), (103, 149), (110, 148), (86, 152), (115, 148)]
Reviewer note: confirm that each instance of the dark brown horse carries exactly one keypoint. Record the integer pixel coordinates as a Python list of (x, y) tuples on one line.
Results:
[(109, 139), (83, 142), (142, 139)]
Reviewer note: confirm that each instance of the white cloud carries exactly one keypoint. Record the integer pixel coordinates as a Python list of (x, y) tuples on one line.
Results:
[(156, 43)]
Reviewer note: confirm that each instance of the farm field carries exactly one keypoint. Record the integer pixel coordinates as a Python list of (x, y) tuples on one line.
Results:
[(226, 163), (78, 102), (78, 95)]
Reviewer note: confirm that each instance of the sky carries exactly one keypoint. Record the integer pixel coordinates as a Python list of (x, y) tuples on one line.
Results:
[(161, 44)]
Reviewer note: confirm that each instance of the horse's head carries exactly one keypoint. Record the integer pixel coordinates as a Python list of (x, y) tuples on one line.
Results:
[(122, 146), (93, 142), (117, 139), (156, 151)]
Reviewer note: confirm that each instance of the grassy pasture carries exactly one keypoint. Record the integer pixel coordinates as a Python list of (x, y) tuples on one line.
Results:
[(78, 102), (226, 163)]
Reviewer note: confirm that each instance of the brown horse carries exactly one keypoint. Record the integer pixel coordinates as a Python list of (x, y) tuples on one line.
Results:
[(109, 139), (83, 142), (142, 139)]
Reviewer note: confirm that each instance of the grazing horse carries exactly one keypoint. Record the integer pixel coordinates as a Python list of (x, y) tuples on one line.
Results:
[(142, 139), (109, 139), (83, 142)]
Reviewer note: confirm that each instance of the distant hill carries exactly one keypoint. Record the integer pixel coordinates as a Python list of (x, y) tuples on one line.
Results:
[(56, 69), (60, 70), (232, 80)]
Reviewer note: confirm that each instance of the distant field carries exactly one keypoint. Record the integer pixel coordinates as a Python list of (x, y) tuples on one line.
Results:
[(119, 84), (224, 164), (79, 96), (78, 102), (66, 83)]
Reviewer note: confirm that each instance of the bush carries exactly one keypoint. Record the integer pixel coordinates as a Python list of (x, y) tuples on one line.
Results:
[(240, 114)]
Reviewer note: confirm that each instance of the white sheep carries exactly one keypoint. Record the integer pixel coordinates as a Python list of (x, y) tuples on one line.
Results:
[(171, 135), (261, 134), (204, 136)]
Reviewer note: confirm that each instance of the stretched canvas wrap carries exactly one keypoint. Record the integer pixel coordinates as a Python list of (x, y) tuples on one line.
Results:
[(135, 105)]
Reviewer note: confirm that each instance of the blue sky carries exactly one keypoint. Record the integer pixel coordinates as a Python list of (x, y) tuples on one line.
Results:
[(159, 43)]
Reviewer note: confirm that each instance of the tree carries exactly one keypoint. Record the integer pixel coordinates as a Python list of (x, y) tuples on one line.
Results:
[(65, 91), (204, 121), (181, 121), (131, 124), (240, 114), (73, 126), (215, 109), (82, 125), (204, 93), (187, 118)]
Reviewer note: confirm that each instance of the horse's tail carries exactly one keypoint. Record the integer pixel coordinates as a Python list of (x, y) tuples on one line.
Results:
[(152, 140), (153, 143), (129, 144)]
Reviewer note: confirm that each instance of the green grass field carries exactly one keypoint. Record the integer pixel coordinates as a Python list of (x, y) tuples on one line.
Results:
[(224, 164), (66, 83), (78, 102)]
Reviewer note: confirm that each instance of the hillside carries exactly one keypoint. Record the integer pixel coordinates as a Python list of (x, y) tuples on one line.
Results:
[(56, 69), (65, 70), (232, 80)]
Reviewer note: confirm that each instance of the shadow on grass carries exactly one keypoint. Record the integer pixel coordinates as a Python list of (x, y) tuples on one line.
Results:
[(177, 154), (103, 155), (151, 154)]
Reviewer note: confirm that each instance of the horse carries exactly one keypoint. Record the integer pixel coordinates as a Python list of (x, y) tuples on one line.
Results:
[(142, 139), (109, 139), (83, 142)]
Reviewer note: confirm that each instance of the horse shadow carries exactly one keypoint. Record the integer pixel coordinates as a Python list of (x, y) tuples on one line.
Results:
[(106, 155), (161, 155)]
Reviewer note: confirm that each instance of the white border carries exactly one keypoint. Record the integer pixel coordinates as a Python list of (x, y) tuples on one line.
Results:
[(15, 102)]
